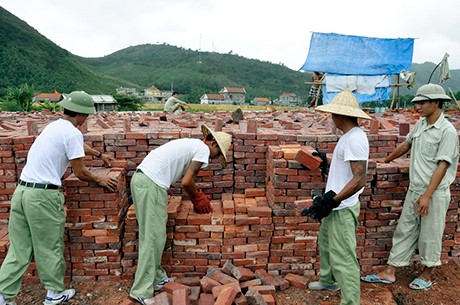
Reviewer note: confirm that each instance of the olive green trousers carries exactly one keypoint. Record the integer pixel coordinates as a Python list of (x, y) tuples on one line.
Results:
[(151, 203), (337, 249), (36, 230)]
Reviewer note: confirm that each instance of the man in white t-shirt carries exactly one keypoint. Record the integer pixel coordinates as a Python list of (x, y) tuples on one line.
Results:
[(160, 169), (37, 217), (339, 207)]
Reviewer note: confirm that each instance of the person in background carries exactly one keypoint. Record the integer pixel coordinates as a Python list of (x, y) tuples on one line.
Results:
[(338, 209), (434, 155), (174, 105), (160, 169), (37, 218), (315, 90)]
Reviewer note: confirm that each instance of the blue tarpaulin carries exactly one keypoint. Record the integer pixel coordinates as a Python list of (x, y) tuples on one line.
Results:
[(358, 55), (380, 95)]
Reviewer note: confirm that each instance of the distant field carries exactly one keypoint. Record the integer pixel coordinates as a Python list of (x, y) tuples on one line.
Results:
[(211, 108)]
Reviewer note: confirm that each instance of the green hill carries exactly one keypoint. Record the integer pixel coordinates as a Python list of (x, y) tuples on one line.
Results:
[(194, 74), (26, 56)]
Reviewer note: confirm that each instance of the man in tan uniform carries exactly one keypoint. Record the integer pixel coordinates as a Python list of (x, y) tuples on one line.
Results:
[(434, 159)]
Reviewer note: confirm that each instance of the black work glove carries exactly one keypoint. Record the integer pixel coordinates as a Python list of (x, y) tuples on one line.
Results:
[(323, 164), (322, 206)]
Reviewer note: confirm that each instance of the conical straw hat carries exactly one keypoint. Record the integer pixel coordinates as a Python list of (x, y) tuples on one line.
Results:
[(344, 103), (223, 139)]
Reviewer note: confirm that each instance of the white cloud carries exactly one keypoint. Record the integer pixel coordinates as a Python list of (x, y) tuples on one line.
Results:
[(268, 30)]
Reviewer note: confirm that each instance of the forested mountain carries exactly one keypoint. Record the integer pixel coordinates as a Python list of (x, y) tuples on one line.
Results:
[(195, 73), (26, 56)]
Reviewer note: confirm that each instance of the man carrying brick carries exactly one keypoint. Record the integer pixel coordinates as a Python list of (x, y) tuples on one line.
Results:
[(433, 165), (160, 169), (339, 207), (37, 217)]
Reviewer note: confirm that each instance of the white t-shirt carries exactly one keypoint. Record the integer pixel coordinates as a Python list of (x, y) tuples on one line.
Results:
[(169, 162), (352, 146), (51, 152)]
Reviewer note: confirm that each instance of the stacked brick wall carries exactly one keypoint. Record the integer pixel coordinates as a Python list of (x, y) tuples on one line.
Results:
[(257, 198), (95, 227)]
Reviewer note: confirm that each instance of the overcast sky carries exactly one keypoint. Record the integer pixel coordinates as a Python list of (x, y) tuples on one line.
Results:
[(277, 31)]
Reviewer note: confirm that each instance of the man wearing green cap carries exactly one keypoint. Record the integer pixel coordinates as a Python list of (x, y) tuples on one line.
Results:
[(37, 218), (433, 166)]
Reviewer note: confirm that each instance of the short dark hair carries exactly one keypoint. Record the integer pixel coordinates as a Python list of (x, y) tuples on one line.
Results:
[(175, 92), (70, 113), (209, 137)]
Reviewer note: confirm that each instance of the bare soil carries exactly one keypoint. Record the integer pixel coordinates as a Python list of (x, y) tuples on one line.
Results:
[(445, 291)]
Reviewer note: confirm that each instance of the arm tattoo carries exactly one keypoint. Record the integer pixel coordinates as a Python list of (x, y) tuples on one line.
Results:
[(195, 167), (359, 168)]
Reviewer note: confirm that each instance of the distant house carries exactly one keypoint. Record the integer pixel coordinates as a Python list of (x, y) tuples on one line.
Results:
[(235, 96), (212, 99), (155, 95), (260, 101), (127, 91), (104, 102), (288, 99), (50, 97)]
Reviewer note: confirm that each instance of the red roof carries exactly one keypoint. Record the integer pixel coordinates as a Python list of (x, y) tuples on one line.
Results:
[(215, 96), (48, 97), (233, 90), (288, 94), (262, 99)]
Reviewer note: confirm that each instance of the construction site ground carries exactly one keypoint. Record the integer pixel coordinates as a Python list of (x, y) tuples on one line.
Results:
[(445, 291)]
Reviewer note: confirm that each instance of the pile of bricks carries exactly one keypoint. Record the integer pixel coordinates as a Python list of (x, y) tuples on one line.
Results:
[(257, 198), (239, 228), (95, 227), (226, 286)]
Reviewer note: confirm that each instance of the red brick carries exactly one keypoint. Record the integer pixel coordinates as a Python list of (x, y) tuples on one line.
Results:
[(216, 291), (226, 296), (296, 280), (206, 299), (306, 158)]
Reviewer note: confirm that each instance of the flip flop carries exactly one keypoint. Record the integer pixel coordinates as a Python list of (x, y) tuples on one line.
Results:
[(373, 278), (419, 284)]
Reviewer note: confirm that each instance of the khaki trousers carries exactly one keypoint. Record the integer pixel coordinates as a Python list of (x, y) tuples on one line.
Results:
[(426, 232)]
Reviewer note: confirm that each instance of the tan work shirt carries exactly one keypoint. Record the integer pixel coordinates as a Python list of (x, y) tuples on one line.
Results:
[(172, 103), (431, 144)]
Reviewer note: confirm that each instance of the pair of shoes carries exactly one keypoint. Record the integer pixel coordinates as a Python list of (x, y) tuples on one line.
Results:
[(143, 301), (373, 278), (161, 284), (60, 297), (319, 286), (419, 284)]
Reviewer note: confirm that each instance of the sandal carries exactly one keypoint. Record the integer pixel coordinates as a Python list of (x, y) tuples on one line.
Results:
[(419, 284)]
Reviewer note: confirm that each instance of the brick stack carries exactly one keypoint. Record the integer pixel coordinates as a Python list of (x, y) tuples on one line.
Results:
[(130, 247), (239, 228), (453, 215), (388, 190), (95, 220), (8, 178), (289, 181)]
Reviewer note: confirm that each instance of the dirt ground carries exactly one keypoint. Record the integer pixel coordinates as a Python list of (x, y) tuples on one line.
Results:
[(445, 291)]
